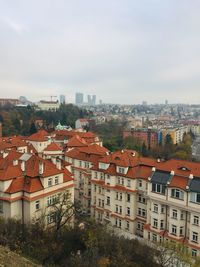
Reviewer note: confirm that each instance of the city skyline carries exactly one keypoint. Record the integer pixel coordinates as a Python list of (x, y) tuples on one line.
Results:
[(124, 53)]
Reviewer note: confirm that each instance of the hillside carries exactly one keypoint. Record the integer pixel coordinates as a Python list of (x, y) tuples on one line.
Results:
[(9, 258)]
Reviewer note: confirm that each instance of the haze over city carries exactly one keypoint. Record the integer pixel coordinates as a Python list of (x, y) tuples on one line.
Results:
[(122, 51)]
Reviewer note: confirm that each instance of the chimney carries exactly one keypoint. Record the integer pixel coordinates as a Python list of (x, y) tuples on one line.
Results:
[(5, 154), (23, 165), (15, 162), (107, 153), (158, 160), (153, 169), (191, 176), (172, 172), (41, 167)]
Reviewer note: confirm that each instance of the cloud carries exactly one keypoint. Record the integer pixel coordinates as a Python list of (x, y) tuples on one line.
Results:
[(15, 26)]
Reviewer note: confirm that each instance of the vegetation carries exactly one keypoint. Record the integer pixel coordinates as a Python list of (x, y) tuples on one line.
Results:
[(87, 246), (20, 120), (112, 135), (172, 254)]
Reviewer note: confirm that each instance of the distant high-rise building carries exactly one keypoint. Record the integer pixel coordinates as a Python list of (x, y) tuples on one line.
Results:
[(100, 102), (166, 102), (79, 99), (93, 100), (144, 103), (62, 99), (89, 100)]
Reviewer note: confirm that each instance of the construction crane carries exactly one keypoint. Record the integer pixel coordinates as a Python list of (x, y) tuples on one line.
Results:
[(51, 96)]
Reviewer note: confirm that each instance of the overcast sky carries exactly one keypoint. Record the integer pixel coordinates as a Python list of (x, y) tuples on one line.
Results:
[(124, 51)]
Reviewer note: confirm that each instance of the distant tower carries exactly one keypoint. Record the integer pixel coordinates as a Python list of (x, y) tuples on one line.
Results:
[(62, 99), (89, 100), (166, 102), (79, 99), (94, 100)]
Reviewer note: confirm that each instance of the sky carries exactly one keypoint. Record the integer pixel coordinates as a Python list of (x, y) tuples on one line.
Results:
[(124, 51)]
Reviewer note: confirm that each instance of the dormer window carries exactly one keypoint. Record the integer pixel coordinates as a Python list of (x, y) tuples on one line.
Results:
[(121, 170), (49, 182), (195, 197), (176, 193)]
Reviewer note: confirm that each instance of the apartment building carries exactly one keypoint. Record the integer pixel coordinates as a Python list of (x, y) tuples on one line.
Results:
[(82, 159), (149, 199), (150, 137), (30, 185)]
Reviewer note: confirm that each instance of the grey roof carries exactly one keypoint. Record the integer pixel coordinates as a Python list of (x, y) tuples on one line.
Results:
[(160, 177), (195, 185), (25, 157)]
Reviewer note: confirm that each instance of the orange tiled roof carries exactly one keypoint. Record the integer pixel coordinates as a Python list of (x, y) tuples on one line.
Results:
[(53, 147), (40, 136), (179, 182), (76, 141)]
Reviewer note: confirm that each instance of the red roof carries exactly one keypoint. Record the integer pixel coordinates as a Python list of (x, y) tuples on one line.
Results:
[(76, 141), (53, 147), (179, 182), (40, 136)]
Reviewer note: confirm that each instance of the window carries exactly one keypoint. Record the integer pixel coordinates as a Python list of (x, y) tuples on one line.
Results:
[(182, 215), (195, 197), (194, 237), (128, 197), (120, 196), (51, 217), (108, 201), (161, 224), (181, 231), (140, 183), (80, 163), (141, 212), (139, 226), (196, 220), (121, 170), (95, 188), (174, 229), (127, 225), (1, 206), (176, 193), (162, 209), (56, 180), (37, 204), (155, 223), (95, 175), (118, 222), (50, 182), (155, 208), (128, 211), (174, 214), (194, 252), (102, 176), (52, 200), (116, 208), (158, 188), (128, 183), (154, 238)]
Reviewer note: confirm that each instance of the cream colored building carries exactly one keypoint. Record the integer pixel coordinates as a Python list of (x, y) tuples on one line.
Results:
[(30, 186), (48, 105)]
